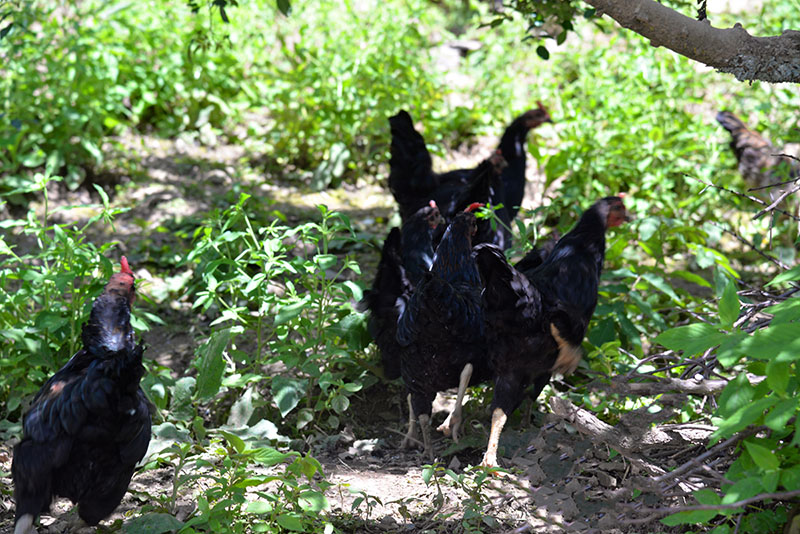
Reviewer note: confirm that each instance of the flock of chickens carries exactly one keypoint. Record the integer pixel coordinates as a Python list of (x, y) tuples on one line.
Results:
[(446, 310)]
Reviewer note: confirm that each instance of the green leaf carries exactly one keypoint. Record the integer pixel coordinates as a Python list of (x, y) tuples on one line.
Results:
[(769, 480), (152, 524), (325, 261), (340, 403), (689, 518), (662, 285), (313, 501), (543, 53), (287, 392), (790, 478), (285, 7), (290, 311), (743, 489), (744, 416), (762, 456), (259, 507), (691, 339), (235, 441), (729, 351), (427, 473), (778, 374), (736, 394), (290, 522), (779, 342), (729, 305), (211, 365), (180, 406), (242, 410), (784, 312), (267, 456), (707, 496), (787, 276)]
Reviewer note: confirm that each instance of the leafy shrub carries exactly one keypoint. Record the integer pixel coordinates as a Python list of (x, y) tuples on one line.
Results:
[(287, 289), (47, 294)]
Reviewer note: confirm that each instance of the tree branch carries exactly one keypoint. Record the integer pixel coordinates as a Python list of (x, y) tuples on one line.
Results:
[(732, 50)]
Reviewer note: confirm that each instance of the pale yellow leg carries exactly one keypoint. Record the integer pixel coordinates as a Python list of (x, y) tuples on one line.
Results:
[(410, 440), (569, 356), (425, 426), (498, 422), (25, 525), (453, 422)]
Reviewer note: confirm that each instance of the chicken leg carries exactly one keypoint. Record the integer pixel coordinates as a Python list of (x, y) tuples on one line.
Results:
[(499, 418), (453, 422), (410, 438), (25, 525), (425, 426)]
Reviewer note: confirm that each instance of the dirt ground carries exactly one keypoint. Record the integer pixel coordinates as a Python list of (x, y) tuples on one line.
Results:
[(565, 475)]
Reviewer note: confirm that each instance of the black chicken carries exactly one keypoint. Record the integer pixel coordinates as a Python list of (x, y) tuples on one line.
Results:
[(406, 256), (482, 186), (413, 181), (90, 423), (441, 329), (536, 319), (759, 162)]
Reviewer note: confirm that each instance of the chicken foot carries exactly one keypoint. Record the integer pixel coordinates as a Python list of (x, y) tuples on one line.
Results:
[(453, 422), (498, 422)]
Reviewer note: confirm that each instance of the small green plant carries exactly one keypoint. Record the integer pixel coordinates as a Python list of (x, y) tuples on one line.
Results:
[(476, 504), (46, 291), (290, 293)]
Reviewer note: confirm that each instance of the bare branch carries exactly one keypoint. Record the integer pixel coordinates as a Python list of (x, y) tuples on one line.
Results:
[(666, 385), (733, 50), (780, 496), (777, 201)]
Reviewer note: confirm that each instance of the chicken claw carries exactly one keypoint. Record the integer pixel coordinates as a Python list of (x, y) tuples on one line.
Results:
[(452, 424)]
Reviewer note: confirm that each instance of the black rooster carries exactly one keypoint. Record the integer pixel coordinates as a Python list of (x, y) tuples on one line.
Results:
[(441, 329), (413, 181), (536, 319), (759, 161), (90, 423), (406, 256)]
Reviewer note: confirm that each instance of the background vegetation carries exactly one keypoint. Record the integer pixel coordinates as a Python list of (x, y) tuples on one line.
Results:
[(267, 293)]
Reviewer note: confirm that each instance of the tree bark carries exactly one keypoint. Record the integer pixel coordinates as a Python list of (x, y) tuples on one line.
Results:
[(732, 50)]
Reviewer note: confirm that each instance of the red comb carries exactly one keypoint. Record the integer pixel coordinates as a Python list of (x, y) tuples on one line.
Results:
[(125, 268), (472, 207), (622, 195), (539, 103), (432, 203)]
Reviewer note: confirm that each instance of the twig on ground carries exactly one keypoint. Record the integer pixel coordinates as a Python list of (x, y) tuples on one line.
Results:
[(716, 449)]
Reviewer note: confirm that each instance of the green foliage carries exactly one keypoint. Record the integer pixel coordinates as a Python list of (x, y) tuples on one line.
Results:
[(47, 287), (233, 472), (287, 290), (762, 395), (105, 65)]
